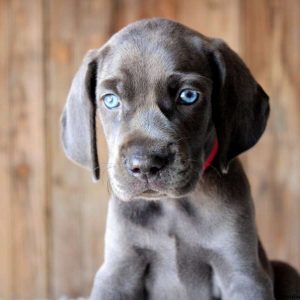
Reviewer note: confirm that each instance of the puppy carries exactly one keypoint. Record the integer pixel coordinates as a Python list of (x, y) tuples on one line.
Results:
[(177, 108)]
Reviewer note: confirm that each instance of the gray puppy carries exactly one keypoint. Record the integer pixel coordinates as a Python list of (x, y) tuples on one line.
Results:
[(177, 108)]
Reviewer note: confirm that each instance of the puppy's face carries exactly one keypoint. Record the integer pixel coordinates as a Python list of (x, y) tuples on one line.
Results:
[(163, 93), (154, 98)]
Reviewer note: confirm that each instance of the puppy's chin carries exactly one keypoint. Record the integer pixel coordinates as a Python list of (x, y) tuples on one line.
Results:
[(130, 195)]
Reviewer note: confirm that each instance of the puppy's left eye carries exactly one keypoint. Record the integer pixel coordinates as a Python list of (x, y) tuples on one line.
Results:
[(188, 96), (111, 101)]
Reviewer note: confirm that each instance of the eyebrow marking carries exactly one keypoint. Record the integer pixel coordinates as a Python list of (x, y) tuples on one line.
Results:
[(192, 76), (181, 79), (114, 84), (123, 85)]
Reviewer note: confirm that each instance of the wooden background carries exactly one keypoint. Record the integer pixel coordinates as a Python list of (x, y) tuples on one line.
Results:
[(51, 214)]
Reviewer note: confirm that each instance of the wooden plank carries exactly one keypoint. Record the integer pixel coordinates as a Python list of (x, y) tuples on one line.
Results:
[(217, 18), (5, 179), (27, 150), (270, 49), (290, 95), (65, 259), (78, 206), (256, 48), (127, 11)]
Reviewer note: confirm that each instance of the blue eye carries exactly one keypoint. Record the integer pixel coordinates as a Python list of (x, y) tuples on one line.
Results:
[(188, 96), (111, 101)]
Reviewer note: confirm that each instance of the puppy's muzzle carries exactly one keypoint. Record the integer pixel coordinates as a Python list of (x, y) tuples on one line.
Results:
[(146, 164)]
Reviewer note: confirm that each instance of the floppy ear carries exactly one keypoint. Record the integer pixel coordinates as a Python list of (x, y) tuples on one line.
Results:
[(78, 120), (240, 105)]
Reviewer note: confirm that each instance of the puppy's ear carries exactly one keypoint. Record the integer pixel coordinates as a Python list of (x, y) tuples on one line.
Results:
[(78, 120), (240, 105)]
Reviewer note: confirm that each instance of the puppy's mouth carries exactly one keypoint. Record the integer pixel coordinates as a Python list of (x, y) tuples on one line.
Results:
[(150, 192), (151, 195), (170, 186)]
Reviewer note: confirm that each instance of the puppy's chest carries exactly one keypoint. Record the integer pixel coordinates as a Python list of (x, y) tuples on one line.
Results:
[(172, 229), (177, 236)]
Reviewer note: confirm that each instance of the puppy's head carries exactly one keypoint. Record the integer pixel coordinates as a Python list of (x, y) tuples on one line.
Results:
[(164, 93)]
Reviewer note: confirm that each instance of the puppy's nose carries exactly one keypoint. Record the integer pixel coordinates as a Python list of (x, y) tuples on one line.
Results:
[(146, 166)]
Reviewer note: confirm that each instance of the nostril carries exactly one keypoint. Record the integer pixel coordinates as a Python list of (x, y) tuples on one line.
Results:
[(154, 170), (136, 170), (145, 166)]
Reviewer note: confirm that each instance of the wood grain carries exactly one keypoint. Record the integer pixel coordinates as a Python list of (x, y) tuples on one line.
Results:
[(52, 217), (27, 151), (5, 178), (215, 18), (270, 48)]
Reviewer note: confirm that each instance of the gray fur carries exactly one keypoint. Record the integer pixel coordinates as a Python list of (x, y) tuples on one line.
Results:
[(179, 232)]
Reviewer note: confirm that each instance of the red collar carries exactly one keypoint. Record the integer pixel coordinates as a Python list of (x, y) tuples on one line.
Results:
[(212, 154)]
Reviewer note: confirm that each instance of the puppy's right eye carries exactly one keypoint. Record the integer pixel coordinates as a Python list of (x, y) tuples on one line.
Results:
[(188, 96), (111, 101)]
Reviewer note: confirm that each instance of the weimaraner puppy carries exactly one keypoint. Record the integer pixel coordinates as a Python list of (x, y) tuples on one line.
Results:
[(177, 108)]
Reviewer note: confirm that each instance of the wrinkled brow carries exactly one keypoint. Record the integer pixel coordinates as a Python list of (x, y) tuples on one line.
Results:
[(113, 84), (189, 76), (177, 79), (122, 87)]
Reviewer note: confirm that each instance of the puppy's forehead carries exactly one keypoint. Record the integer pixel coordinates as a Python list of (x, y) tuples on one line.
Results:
[(150, 50)]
